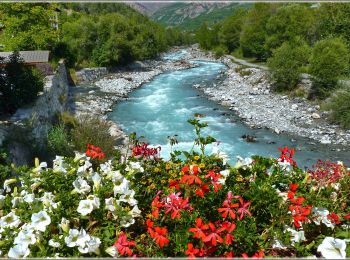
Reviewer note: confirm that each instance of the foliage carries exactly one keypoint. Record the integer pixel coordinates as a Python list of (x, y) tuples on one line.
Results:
[(329, 61), (207, 37), (286, 63), (92, 130), (58, 141), (193, 205), (340, 108), (20, 84), (28, 26)]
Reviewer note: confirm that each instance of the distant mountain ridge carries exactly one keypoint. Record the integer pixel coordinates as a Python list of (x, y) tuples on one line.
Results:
[(147, 8), (190, 16)]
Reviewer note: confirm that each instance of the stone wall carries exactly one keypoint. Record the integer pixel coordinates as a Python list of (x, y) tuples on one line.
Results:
[(90, 74), (50, 104)]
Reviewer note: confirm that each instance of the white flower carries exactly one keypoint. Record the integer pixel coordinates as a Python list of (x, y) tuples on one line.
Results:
[(80, 157), (110, 204), (85, 207), (72, 238), (54, 244), (25, 236), (135, 212), (121, 188), (29, 198), (115, 176), (278, 244), (91, 246), (321, 216), (106, 167), (19, 251), (286, 166), (95, 201), (134, 166), (220, 154), (96, 178), (332, 248), (64, 224), (297, 236), (81, 186), (224, 174), (244, 163), (127, 221), (128, 197), (59, 165), (112, 251), (10, 220), (7, 184), (42, 166), (15, 201), (84, 168), (83, 238), (40, 220)]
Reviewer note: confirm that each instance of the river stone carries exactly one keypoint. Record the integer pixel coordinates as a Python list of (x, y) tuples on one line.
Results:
[(294, 106), (315, 116), (277, 131)]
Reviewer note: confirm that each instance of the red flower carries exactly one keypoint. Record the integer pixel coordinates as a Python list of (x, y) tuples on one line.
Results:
[(94, 152), (347, 216), (174, 184), (227, 211), (190, 179), (156, 204), (213, 237), (334, 218), (123, 245), (202, 190), (293, 187), (160, 236), (174, 203), (229, 255), (199, 229), (287, 155), (191, 252), (243, 207), (259, 254), (185, 169), (142, 150), (149, 224)]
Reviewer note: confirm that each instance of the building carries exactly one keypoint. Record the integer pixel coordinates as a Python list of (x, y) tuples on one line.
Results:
[(38, 59)]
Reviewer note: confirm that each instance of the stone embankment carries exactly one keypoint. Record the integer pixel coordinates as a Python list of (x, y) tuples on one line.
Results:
[(247, 91)]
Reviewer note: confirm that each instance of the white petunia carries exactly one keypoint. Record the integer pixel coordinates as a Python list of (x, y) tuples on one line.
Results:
[(135, 212), (127, 221), (29, 198), (10, 220), (48, 200), (59, 165), (72, 238), (94, 200), (112, 251), (64, 225), (25, 236), (243, 163), (15, 201), (297, 236), (85, 207), (42, 166), (19, 251), (134, 166), (54, 244), (220, 154), (128, 197), (2, 200), (93, 245), (321, 216), (121, 188), (224, 174), (83, 238), (81, 186), (96, 178), (40, 220), (84, 168), (106, 167), (115, 176), (110, 204), (7, 184), (332, 248), (278, 244)]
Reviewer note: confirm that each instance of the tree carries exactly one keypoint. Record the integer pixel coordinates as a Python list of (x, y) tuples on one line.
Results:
[(288, 22), (286, 63), (340, 108), (329, 61), (28, 26), (253, 35), (21, 84), (207, 37), (231, 29)]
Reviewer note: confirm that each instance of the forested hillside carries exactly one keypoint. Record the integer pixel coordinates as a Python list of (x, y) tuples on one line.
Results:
[(85, 34), (292, 39), (190, 16)]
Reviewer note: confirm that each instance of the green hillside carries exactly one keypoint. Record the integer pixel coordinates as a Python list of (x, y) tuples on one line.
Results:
[(190, 17)]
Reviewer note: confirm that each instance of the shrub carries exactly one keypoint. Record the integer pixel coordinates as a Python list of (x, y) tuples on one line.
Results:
[(20, 84), (340, 108), (219, 51), (286, 64), (58, 141), (329, 61), (92, 130)]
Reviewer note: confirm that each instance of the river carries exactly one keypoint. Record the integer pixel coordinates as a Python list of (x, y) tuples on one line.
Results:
[(162, 107)]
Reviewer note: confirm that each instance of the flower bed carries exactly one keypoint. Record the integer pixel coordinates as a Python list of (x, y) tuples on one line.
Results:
[(190, 206)]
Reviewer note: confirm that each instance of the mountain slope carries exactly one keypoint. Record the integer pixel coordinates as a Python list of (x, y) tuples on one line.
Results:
[(190, 16)]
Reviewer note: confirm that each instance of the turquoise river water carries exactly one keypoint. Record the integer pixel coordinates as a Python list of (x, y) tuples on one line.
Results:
[(162, 107)]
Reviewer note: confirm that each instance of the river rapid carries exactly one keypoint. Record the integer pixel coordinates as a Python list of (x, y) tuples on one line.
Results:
[(161, 108)]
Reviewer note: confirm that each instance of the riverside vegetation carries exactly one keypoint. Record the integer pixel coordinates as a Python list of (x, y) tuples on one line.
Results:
[(292, 39), (193, 205)]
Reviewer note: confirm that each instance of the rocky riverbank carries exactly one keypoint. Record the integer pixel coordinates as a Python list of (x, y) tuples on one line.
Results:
[(98, 97), (247, 91)]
